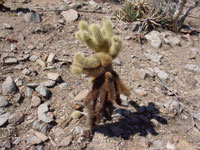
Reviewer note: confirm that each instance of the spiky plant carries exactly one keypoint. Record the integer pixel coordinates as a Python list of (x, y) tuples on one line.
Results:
[(107, 86)]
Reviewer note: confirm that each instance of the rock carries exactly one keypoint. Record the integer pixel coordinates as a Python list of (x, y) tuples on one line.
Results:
[(117, 130), (192, 67), (33, 58), (17, 98), (41, 126), (144, 142), (197, 116), (32, 84), (117, 62), (7, 26), (43, 91), (3, 101), (49, 83), (2, 111), (192, 54), (13, 48), (70, 15), (170, 146), (7, 144), (143, 74), (153, 56), (9, 86), (29, 92), (4, 118), (174, 41), (128, 37), (51, 58), (154, 38), (11, 61), (197, 78), (35, 101), (16, 118), (182, 144), (42, 113), (32, 140), (161, 74), (40, 135), (174, 107), (158, 144), (19, 67), (31, 47), (81, 95), (26, 72), (26, 57), (41, 63), (141, 92), (66, 141), (53, 76), (63, 85), (17, 141), (76, 114), (124, 100), (32, 17)]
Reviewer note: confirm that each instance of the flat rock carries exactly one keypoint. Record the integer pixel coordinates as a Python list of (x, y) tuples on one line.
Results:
[(161, 74), (7, 26), (174, 107), (43, 91), (63, 85), (49, 83), (2, 111), (32, 17), (41, 126), (143, 74), (81, 95), (53, 76), (32, 140), (4, 118), (42, 113), (141, 92), (153, 56), (35, 101), (9, 86), (26, 72), (66, 141), (29, 92), (70, 15), (33, 58), (32, 84), (10, 61), (50, 58), (154, 38), (192, 67), (174, 41), (197, 116), (41, 63), (16, 118), (3, 101), (124, 99), (17, 97), (40, 135)]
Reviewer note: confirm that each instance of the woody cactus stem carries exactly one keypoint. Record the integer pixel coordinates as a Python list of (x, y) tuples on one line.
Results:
[(105, 91), (177, 13)]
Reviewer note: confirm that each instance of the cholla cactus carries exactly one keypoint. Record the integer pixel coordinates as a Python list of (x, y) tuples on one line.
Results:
[(101, 40), (107, 86)]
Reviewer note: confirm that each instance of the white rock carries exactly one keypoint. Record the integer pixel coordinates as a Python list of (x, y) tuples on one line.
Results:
[(53, 76)]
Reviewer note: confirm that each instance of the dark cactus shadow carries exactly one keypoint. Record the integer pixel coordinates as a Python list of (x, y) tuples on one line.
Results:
[(131, 123)]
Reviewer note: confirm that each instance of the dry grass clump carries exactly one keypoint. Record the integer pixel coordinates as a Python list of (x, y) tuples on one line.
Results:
[(157, 13)]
